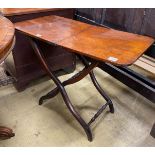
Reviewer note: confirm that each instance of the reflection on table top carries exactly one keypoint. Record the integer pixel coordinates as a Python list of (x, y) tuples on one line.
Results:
[(108, 45), (6, 37)]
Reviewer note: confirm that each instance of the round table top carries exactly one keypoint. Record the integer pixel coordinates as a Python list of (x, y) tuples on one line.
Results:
[(6, 37)]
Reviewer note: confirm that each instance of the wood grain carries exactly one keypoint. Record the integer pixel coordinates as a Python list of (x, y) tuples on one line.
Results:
[(21, 11), (51, 29), (6, 37), (108, 45)]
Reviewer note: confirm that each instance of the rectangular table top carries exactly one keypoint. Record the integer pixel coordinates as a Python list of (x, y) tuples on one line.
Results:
[(108, 45)]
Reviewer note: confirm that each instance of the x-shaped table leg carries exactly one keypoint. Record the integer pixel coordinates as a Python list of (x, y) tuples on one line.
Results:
[(77, 77)]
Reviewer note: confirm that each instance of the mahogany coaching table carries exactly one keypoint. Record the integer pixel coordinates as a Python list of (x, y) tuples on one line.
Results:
[(6, 44), (97, 43)]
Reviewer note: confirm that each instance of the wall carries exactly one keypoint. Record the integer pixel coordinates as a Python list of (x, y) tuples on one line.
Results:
[(132, 20)]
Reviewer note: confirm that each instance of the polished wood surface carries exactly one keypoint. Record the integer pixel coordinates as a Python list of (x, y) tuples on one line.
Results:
[(22, 63), (6, 41), (52, 29), (6, 37), (21, 11), (108, 45)]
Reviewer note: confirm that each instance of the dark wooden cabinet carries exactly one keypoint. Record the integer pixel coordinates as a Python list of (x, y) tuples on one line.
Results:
[(22, 63)]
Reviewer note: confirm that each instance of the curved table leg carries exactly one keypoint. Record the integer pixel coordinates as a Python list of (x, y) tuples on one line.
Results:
[(152, 133), (5, 133), (49, 95), (68, 103), (60, 88), (97, 86), (62, 91), (100, 90), (77, 77), (76, 114)]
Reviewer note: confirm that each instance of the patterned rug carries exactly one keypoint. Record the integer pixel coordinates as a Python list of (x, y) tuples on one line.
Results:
[(5, 78)]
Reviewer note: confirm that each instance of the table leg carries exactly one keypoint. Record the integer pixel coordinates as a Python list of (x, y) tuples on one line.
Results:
[(60, 88), (77, 77), (5, 133), (152, 133), (96, 84)]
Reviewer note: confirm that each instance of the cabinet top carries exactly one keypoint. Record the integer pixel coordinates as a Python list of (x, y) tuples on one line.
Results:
[(21, 11)]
